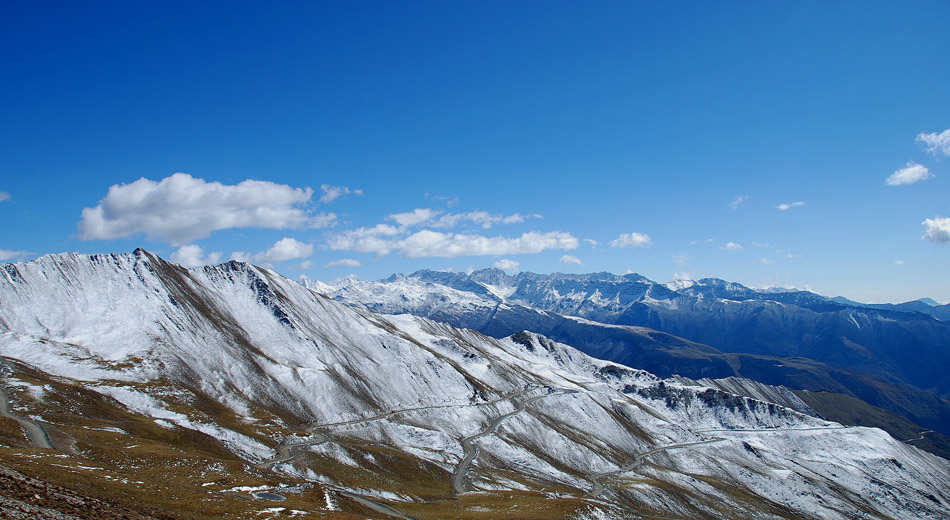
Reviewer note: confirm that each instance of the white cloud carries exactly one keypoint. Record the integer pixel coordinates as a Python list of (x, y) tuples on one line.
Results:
[(347, 262), (306, 264), (937, 230), (680, 259), (4, 196), (284, 249), (331, 193), (322, 220), (731, 246), (786, 207), (428, 243), (6, 254), (378, 239), (384, 239), (899, 262), (416, 216), (592, 242), (193, 256), (449, 201), (737, 201), (934, 143), (428, 216), (766, 260), (182, 208), (909, 174), (631, 240), (570, 259), (508, 266)]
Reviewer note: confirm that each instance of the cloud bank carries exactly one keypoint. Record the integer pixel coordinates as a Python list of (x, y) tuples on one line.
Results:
[(384, 239)]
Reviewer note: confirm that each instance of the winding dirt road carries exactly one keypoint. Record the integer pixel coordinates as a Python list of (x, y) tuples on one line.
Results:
[(596, 478), (458, 485), (34, 432)]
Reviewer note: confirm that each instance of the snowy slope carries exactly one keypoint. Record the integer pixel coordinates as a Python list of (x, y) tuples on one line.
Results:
[(522, 413)]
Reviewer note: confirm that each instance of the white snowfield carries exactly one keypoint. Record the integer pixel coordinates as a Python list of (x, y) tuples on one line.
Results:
[(252, 339)]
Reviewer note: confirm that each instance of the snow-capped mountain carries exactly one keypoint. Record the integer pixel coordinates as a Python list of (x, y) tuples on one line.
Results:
[(408, 416), (711, 328)]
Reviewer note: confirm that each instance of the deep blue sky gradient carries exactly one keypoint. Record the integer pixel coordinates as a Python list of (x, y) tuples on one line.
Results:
[(604, 118)]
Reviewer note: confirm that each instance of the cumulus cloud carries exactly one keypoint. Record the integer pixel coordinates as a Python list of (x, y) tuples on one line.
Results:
[(4, 196), (384, 239), (346, 262), (570, 259), (284, 249), (786, 207), (193, 256), (935, 144), (937, 230), (6, 255), (731, 246), (631, 240), (331, 193), (508, 266), (737, 201), (182, 208), (909, 174)]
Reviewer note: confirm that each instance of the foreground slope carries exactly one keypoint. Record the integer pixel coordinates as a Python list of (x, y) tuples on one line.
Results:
[(259, 384)]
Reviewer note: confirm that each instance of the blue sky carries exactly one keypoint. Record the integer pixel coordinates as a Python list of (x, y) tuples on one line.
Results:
[(329, 139)]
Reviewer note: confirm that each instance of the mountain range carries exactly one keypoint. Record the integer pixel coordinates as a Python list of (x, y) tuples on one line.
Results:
[(147, 390), (897, 361)]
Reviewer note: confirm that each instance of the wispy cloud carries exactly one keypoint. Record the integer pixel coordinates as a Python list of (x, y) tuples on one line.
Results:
[(788, 206), (937, 230), (331, 193), (193, 256), (737, 201), (7, 255), (935, 144), (181, 209), (680, 259), (631, 240), (4, 196), (909, 174), (570, 259), (731, 246), (346, 262), (899, 262)]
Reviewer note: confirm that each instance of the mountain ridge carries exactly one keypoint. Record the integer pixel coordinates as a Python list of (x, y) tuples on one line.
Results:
[(244, 363)]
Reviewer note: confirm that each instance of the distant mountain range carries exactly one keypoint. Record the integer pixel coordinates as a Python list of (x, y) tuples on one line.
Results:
[(895, 357), (233, 392)]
